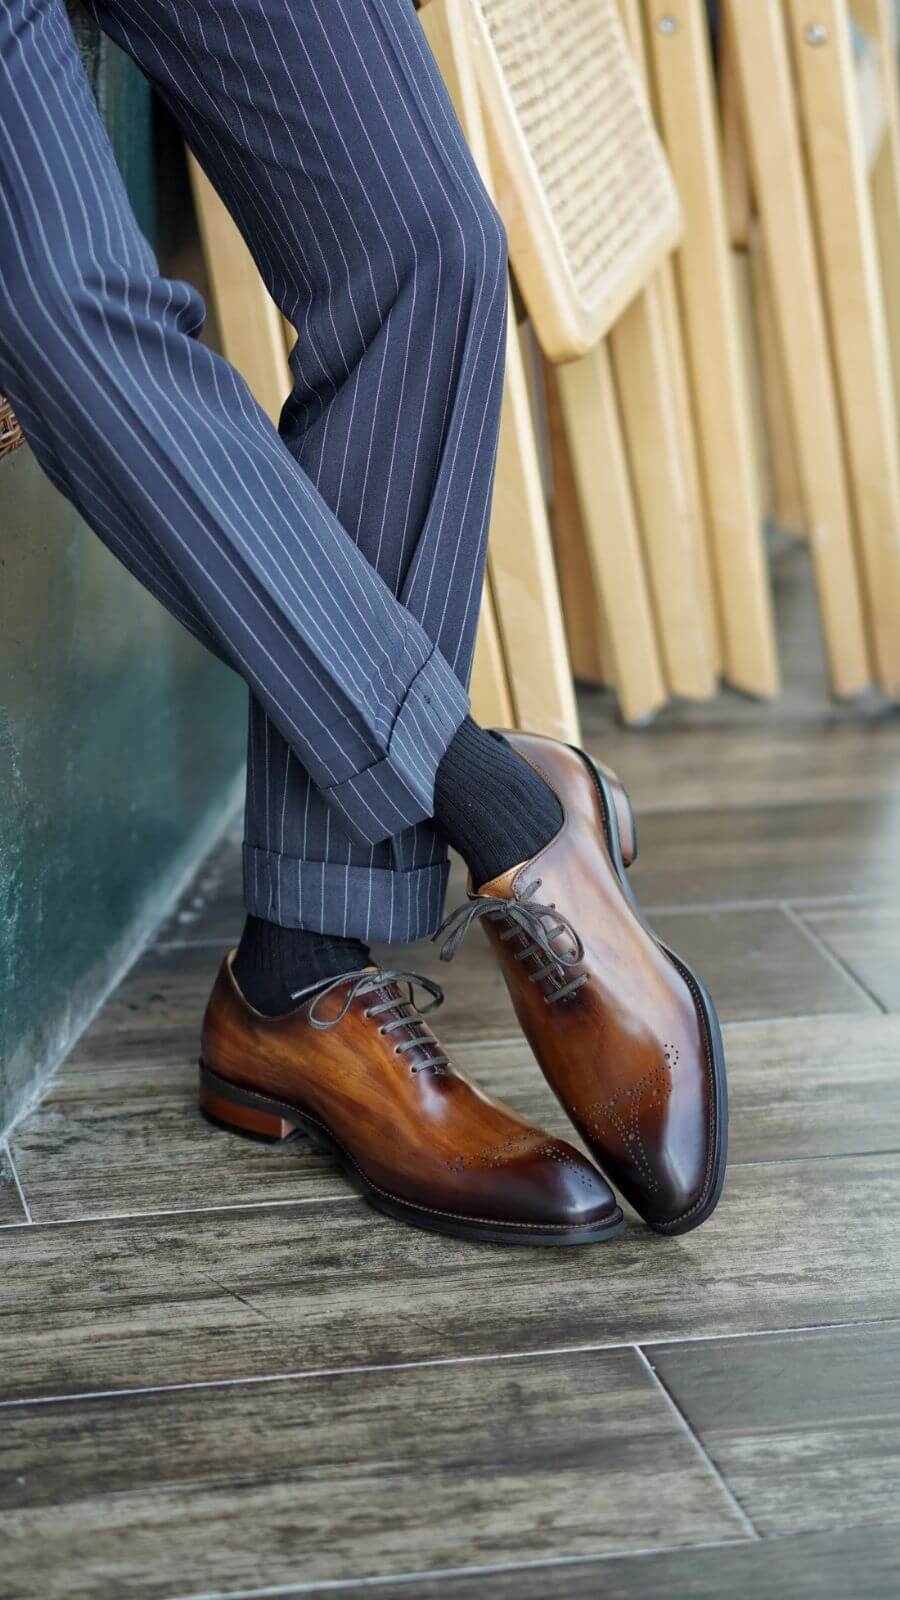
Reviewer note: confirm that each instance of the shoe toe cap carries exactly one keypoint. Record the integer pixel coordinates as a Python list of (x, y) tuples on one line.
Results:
[(559, 1186)]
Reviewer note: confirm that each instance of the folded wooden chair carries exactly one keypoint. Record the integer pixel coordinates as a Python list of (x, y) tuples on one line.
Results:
[(591, 213), (678, 44), (789, 293), (877, 19), (652, 384), (520, 555), (843, 200)]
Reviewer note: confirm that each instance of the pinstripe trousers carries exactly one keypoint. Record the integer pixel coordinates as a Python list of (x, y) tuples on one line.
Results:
[(336, 562)]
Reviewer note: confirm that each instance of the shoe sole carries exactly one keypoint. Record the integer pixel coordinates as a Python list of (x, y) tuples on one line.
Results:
[(618, 818), (255, 1116)]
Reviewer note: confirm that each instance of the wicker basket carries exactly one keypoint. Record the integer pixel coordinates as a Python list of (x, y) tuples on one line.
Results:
[(11, 435)]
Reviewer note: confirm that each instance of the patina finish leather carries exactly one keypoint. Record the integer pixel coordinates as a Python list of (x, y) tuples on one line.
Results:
[(419, 1138), (633, 1052)]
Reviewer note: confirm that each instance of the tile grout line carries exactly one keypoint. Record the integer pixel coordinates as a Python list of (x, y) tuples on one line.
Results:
[(828, 955), (482, 1570), (813, 902), (750, 1527), (254, 1380), (661, 808), (191, 1211), (89, 1219), (29, 1220)]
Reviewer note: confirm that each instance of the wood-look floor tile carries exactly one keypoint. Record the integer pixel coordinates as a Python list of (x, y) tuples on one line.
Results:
[(669, 768), (336, 1477), (817, 1087), (805, 1428), (859, 1562), (784, 853), (169, 1299), (757, 963), (114, 1139), (867, 940), (11, 1208)]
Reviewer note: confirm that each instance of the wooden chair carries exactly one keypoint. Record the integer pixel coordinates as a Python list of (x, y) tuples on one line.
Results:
[(792, 324), (678, 44), (520, 555), (489, 688), (651, 381), (844, 207), (877, 19), (784, 502), (591, 213)]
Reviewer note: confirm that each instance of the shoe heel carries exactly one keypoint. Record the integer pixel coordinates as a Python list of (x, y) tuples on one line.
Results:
[(624, 814), (241, 1111)]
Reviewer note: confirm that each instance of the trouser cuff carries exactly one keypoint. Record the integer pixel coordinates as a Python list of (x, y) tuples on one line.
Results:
[(352, 902), (398, 791)]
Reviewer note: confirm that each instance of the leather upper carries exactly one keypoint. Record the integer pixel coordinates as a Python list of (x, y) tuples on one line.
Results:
[(628, 1052), (428, 1136)]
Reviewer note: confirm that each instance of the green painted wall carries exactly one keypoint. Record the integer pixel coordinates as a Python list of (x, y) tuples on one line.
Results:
[(120, 738)]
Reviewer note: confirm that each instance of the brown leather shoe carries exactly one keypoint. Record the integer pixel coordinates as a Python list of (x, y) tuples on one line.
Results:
[(356, 1069), (625, 1033)]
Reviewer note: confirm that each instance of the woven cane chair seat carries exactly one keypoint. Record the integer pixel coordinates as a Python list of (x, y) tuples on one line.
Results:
[(582, 181)]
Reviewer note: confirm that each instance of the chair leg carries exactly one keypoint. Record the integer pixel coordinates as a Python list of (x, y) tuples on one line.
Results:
[(679, 48), (690, 460), (763, 60), (667, 517), (876, 18), (523, 575), (489, 687), (735, 167), (588, 401), (848, 251), (581, 608), (788, 509)]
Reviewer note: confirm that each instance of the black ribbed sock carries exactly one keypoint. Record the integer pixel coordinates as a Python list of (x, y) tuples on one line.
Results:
[(490, 804), (271, 963)]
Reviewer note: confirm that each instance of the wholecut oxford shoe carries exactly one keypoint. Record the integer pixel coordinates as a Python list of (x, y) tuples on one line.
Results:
[(356, 1069), (625, 1032)]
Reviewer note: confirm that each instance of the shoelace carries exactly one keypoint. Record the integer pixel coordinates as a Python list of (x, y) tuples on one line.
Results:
[(368, 982), (529, 918)]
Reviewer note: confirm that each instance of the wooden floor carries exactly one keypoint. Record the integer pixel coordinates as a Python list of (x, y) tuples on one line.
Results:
[(222, 1375)]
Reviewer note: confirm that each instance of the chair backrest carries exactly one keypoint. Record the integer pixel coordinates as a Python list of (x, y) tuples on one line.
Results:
[(582, 181)]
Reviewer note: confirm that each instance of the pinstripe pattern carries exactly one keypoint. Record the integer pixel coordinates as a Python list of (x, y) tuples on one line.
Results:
[(337, 562)]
